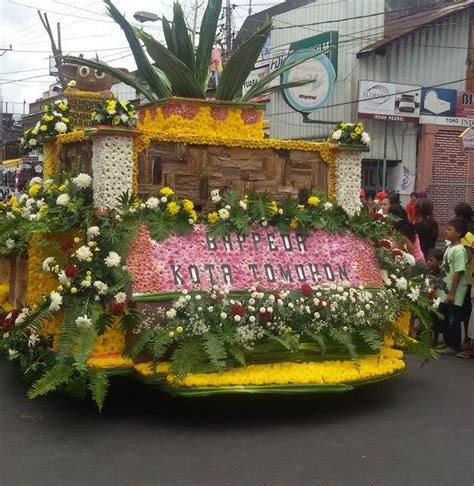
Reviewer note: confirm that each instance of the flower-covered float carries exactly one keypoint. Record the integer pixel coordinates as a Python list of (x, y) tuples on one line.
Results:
[(258, 294)]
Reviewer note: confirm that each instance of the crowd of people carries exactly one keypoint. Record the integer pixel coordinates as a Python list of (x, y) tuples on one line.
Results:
[(452, 262)]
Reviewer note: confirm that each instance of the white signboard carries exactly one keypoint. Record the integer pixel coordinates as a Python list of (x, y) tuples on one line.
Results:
[(449, 121), (260, 71), (389, 101)]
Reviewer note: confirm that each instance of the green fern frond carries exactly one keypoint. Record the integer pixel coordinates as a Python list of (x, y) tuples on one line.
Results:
[(186, 357), (287, 341), (142, 343), (98, 386), (345, 339), (372, 338), (318, 339), (60, 373), (215, 349), (85, 343), (236, 352)]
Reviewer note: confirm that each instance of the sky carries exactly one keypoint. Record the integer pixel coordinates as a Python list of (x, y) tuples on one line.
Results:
[(85, 28)]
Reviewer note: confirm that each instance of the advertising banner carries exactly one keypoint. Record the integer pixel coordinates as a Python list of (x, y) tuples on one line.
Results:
[(438, 101), (465, 104), (389, 101)]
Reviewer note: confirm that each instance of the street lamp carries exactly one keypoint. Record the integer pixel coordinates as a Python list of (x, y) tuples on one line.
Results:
[(143, 16)]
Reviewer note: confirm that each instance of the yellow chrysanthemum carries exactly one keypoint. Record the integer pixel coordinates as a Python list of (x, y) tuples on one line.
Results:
[(43, 128), (64, 119), (110, 107), (300, 207), (173, 208), (314, 200), (188, 205), (294, 223), (62, 106), (62, 188), (47, 118), (273, 207), (42, 212), (166, 191), (358, 130), (34, 189), (116, 120), (13, 202), (193, 215), (213, 217), (34, 131)]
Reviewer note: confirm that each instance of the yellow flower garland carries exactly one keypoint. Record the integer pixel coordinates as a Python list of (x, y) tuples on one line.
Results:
[(111, 342), (113, 361), (387, 362)]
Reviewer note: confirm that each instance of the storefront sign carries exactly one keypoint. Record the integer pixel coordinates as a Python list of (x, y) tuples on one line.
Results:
[(465, 104), (449, 121), (312, 96), (260, 71), (194, 261), (438, 101), (389, 101)]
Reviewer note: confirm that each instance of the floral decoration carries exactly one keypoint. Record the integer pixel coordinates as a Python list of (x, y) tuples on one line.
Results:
[(348, 168), (350, 134), (115, 114), (54, 121)]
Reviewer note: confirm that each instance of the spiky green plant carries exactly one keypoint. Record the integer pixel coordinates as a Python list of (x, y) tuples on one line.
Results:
[(179, 70)]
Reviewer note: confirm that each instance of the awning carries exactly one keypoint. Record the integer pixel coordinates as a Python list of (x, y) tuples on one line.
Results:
[(11, 163)]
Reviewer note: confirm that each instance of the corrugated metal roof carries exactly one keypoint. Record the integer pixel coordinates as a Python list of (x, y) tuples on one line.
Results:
[(401, 26)]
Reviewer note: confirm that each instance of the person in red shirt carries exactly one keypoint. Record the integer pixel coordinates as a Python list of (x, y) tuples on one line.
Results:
[(410, 208)]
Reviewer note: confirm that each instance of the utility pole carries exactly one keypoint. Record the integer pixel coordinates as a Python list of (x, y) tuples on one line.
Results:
[(228, 30), (250, 8)]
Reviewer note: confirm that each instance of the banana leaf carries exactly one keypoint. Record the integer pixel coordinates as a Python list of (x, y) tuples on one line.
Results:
[(241, 63), (183, 82), (257, 389), (144, 66), (185, 50), (169, 35), (206, 41), (116, 73), (258, 88)]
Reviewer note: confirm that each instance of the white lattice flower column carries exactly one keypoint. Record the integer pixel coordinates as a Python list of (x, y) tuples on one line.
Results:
[(112, 165), (348, 180)]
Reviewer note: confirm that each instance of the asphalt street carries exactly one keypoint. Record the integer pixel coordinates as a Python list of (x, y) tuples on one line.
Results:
[(416, 429)]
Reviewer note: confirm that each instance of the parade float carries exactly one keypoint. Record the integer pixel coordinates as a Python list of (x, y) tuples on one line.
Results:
[(177, 245)]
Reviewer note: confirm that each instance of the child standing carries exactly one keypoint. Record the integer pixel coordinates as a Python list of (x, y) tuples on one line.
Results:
[(434, 261), (454, 264)]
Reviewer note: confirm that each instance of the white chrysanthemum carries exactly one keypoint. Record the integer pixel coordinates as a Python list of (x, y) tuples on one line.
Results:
[(63, 280), (171, 314), (33, 340), (86, 283), (364, 138), (10, 243), (401, 283), (35, 180), (63, 200), (152, 203), (224, 213), (83, 181), (414, 294), (56, 301), (408, 258), (243, 205), (101, 287), (327, 205), (120, 297), (215, 196), (46, 264), (60, 127), (83, 322), (124, 117), (113, 259), (92, 232), (32, 142), (337, 135), (83, 253)]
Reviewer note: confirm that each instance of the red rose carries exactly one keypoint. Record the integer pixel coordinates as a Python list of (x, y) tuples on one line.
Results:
[(378, 216), (117, 308), (432, 294), (238, 310), (71, 271), (8, 322), (265, 316), (259, 288), (306, 290), (67, 246), (397, 252)]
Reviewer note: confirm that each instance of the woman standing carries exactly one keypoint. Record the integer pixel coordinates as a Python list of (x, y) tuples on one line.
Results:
[(425, 225)]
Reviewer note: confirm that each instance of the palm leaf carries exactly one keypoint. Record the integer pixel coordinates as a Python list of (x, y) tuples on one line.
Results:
[(274, 89), (143, 64), (238, 67), (206, 40), (260, 86), (185, 50), (116, 73), (170, 37), (182, 79)]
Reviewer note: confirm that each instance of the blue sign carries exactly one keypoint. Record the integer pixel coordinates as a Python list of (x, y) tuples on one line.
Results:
[(438, 101)]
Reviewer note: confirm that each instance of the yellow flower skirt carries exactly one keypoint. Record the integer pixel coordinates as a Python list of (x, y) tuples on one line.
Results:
[(284, 377)]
